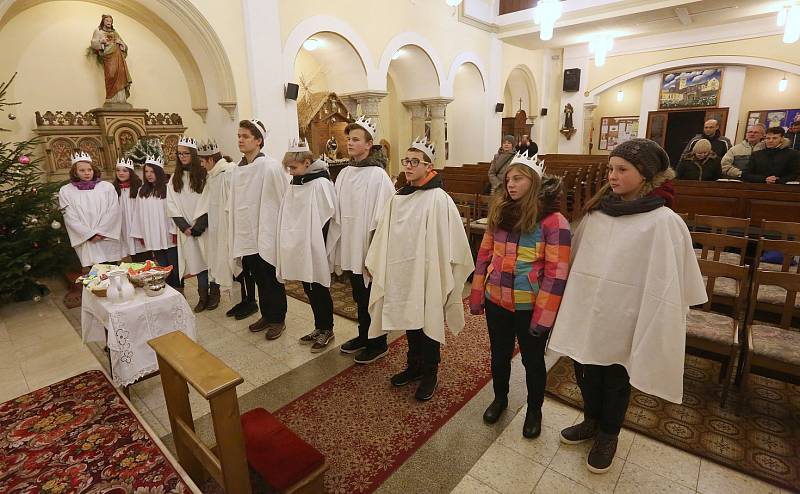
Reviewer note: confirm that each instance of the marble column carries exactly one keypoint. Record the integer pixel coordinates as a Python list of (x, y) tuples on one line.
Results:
[(418, 110), (588, 112), (437, 107), (369, 102)]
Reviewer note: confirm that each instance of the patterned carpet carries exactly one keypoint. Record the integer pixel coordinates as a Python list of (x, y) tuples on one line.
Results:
[(762, 442), (78, 436), (366, 428), (341, 293)]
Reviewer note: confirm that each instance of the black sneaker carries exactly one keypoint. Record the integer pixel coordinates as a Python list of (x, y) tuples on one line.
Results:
[(405, 377), (235, 309), (353, 345), (580, 432), (247, 310), (369, 355), (602, 454), (426, 388), (323, 339), (310, 337)]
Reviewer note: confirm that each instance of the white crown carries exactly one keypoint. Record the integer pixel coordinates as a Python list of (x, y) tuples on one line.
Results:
[(187, 142), (298, 146), (424, 145), (366, 124), (533, 162), (81, 156), (127, 163), (154, 160), (261, 127), (208, 148)]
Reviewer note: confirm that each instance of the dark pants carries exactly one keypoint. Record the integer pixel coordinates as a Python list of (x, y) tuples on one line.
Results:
[(319, 296), (247, 283), (271, 292), (361, 297), (169, 257), (606, 390), (423, 351), (202, 280), (504, 328)]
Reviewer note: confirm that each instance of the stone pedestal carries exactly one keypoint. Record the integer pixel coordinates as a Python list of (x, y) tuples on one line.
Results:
[(437, 108), (418, 112)]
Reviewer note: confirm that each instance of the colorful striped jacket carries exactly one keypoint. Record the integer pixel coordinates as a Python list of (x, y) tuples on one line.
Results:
[(524, 271)]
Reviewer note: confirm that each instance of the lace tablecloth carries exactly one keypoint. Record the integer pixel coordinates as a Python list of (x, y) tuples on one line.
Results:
[(130, 325)]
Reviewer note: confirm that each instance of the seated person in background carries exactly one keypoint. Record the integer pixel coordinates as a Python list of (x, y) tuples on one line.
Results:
[(700, 164), (794, 134), (719, 143), (735, 160), (527, 146), (497, 169), (776, 162)]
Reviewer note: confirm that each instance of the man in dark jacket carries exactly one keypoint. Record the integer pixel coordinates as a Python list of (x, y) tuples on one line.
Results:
[(794, 135), (719, 143), (776, 163)]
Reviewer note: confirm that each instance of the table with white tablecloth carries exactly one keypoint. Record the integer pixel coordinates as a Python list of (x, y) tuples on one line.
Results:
[(125, 329)]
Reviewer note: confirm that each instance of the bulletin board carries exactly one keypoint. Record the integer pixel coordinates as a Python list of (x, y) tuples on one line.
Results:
[(616, 130), (773, 118)]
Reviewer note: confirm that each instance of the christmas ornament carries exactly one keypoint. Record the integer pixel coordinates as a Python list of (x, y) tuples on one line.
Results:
[(34, 190), (11, 116), (36, 245), (24, 160), (55, 225), (26, 267), (37, 298), (34, 220)]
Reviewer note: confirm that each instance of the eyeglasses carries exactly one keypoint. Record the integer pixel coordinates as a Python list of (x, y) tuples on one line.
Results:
[(183, 154), (413, 162)]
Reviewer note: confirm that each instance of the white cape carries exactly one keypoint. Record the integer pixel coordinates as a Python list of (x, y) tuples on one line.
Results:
[(88, 213), (362, 194), (152, 224), (128, 212), (419, 259), (190, 206), (630, 286), (221, 266), (302, 253)]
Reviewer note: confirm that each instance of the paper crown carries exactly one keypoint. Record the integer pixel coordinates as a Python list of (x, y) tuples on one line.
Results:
[(81, 156), (127, 163), (533, 162), (261, 127), (187, 142), (369, 127), (424, 145), (298, 146), (208, 148), (154, 160)]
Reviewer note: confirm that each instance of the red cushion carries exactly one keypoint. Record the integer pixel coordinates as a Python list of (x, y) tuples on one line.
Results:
[(275, 452)]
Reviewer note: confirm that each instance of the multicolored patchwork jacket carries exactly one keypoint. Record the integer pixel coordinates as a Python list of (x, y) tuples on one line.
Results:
[(525, 271)]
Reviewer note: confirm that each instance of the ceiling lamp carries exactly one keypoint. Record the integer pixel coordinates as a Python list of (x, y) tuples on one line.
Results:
[(789, 19), (453, 3), (311, 44), (600, 46), (782, 84), (545, 16)]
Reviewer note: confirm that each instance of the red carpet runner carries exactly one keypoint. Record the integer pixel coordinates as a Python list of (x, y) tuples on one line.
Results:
[(366, 428)]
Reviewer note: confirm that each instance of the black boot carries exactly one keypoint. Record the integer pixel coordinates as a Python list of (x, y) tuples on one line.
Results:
[(213, 297), (413, 372), (493, 411), (427, 386), (202, 303), (533, 423)]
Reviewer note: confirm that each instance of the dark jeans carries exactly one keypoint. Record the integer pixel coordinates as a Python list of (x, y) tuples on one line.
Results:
[(169, 257), (504, 328), (606, 390), (247, 282), (361, 297), (423, 350), (271, 292), (319, 296), (202, 280)]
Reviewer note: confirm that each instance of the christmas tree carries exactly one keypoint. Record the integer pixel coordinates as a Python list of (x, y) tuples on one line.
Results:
[(33, 241)]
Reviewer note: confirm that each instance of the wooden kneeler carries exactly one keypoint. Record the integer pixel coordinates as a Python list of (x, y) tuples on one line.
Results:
[(180, 360)]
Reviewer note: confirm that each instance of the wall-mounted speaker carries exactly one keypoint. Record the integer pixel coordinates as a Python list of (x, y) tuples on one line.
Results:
[(572, 80), (499, 107), (543, 112), (291, 91)]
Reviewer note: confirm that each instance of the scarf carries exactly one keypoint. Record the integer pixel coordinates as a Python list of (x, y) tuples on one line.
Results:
[(124, 185), (432, 181), (84, 185), (660, 196), (374, 158)]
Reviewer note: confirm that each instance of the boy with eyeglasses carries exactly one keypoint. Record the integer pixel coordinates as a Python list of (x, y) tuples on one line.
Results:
[(419, 260)]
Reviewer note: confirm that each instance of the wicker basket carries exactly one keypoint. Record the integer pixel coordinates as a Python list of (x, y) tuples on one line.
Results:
[(100, 293)]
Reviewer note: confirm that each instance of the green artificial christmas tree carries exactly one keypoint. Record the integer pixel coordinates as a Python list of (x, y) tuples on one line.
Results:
[(33, 241)]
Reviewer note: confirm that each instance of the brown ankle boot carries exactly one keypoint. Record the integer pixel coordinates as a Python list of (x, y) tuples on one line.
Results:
[(213, 297), (202, 303)]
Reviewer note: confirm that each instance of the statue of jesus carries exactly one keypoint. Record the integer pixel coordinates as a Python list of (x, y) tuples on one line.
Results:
[(108, 44)]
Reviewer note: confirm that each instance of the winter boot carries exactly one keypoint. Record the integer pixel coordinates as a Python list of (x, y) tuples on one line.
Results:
[(202, 303), (213, 297)]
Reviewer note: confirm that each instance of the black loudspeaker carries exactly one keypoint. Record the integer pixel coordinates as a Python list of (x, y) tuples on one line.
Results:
[(572, 80), (291, 91), (543, 112), (499, 107)]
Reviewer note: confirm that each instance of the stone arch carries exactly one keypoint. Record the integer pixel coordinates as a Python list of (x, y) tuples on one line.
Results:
[(524, 74), (461, 59), (406, 39)]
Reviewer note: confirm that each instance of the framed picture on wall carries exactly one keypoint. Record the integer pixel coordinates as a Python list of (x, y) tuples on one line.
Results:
[(773, 118), (694, 87), (616, 130)]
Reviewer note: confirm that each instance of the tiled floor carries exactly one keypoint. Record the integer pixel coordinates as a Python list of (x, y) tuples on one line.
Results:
[(39, 346)]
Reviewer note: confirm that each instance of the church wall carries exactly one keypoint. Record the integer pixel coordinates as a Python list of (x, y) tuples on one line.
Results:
[(761, 93), (608, 106), (54, 73), (465, 118)]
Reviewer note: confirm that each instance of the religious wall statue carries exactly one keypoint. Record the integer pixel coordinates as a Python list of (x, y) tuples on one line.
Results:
[(111, 51), (568, 130), (330, 148)]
